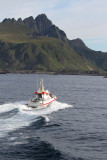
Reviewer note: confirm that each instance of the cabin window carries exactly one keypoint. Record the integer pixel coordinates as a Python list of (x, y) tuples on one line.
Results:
[(39, 95)]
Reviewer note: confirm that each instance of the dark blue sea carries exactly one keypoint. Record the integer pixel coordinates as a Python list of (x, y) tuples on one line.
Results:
[(73, 128)]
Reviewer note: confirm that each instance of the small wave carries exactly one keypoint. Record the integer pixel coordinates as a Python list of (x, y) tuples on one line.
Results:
[(46, 119), (8, 114)]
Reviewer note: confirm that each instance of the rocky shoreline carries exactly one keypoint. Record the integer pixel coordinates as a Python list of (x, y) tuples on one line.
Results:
[(26, 72), (76, 72)]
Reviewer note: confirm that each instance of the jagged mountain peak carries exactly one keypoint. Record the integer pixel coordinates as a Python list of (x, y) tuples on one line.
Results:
[(42, 22), (40, 26), (30, 22), (20, 20), (42, 17)]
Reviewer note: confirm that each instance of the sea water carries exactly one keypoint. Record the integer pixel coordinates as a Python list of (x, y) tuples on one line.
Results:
[(73, 127)]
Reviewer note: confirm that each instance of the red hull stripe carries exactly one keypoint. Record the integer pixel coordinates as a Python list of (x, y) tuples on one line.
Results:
[(45, 92), (42, 93), (50, 102)]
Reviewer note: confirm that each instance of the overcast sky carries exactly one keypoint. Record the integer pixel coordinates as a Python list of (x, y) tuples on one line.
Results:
[(84, 19)]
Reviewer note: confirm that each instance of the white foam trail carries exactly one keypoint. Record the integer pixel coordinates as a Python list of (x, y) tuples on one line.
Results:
[(6, 107), (17, 120), (9, 106), (55, 106), (25, 115)]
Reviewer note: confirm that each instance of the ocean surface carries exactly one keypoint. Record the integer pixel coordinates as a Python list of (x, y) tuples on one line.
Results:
[(73, 128)]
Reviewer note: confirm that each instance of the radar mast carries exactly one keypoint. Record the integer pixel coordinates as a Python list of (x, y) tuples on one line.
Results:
[(42, 86)]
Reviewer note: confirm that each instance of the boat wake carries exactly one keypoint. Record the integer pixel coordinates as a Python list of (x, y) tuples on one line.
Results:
[(18, 114)]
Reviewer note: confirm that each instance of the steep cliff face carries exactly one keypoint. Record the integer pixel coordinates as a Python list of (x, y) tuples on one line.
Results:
[(55, 32)]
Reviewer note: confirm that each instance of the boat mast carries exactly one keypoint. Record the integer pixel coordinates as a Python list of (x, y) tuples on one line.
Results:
[(42, 86)]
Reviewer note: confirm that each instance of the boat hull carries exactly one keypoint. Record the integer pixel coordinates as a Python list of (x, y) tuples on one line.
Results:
[(40, 104)]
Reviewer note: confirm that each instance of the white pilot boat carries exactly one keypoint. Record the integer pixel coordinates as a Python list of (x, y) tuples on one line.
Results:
[(43, 98)]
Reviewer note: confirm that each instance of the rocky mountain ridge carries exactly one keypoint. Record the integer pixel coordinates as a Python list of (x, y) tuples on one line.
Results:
[(37, 45), (41, 26)]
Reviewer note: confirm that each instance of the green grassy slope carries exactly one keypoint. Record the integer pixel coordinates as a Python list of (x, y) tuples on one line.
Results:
[(17, 33)]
